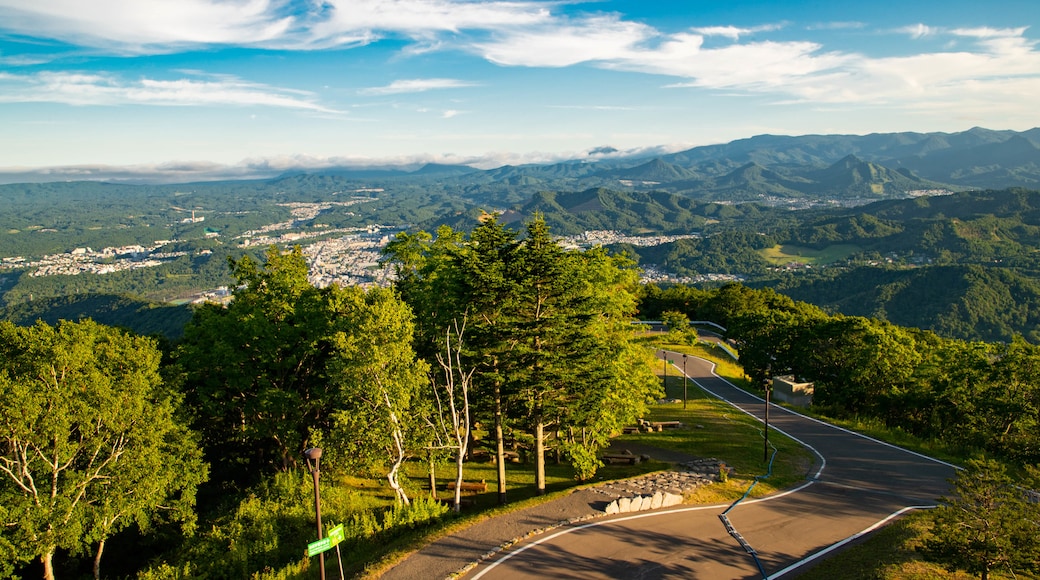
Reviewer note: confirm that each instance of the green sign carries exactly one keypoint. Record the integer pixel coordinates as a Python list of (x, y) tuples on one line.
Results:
[(322, 545), (336, 535)]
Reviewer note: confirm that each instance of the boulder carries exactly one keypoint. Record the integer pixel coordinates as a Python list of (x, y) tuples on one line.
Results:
[(657, 500), (671, 499)]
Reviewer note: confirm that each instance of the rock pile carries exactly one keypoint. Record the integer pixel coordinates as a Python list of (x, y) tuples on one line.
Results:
[(639, 503), (663, 489)]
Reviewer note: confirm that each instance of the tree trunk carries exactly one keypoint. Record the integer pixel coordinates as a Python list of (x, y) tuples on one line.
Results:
[(462, 451), (48, 565), (500, 446), (539, 457), (433, 477), (97, 560), (398, 439), (457, 505)]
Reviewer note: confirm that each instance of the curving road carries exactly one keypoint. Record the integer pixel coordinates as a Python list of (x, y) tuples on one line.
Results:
[(857, 484)]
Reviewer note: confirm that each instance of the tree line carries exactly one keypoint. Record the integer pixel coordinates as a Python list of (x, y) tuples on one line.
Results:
[(499, 337), (971, 395)]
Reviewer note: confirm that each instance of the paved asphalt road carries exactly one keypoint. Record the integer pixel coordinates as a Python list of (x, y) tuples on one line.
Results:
[(858, 483)]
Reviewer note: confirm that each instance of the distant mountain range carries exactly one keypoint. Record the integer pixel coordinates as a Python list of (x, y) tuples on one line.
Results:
[(782, 170), (793, 171)]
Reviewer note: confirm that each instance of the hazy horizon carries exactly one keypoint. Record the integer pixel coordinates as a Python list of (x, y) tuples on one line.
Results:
[(210, 89)]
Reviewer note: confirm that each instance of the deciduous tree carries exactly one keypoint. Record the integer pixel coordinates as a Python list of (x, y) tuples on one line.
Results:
[(91, 440)]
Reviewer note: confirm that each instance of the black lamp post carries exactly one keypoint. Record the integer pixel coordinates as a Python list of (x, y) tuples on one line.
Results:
[(314, 454), (664, 357), (684, 381), (768, 385)]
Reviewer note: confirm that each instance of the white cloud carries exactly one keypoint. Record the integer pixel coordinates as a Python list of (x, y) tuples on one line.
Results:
[(733, 32), (986, 32), (416, 86), (566, 43), (839, 25), (918, 30), (144, 25), (450, 113), (1001, 61), (265, 167), (156, 26), (422, 16), (594, 107), (102, 89)]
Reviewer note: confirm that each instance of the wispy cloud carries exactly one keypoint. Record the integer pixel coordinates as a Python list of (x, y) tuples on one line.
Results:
[(565, 43), (416, 86), (594, 107), (987, 32), (838, 25), (158, 26), (421, 17), (146, 26), (790, 71), (103, 89), (918, 30), (734, 32)]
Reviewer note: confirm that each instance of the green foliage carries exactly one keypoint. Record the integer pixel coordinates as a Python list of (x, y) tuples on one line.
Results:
[(285, 362), (988, 523), (729, 251), (969, 395), (377, 420), (972, 302), (679, 329), (139, 316), (176, 279), (256, 370), (549, 329), (93, 440), (266, 534)]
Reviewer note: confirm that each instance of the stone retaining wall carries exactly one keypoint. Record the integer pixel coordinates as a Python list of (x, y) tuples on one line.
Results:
[(663, 489)]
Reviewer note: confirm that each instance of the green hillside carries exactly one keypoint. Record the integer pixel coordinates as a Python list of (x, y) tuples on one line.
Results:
[(632, 212), (142, 317), (969, 302)]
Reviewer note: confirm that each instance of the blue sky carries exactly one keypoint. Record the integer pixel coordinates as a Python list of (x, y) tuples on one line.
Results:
[(209, 88)]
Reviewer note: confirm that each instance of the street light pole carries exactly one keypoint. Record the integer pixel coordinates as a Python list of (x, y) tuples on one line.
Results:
[(765, 450), (684, 381), (664, 357), (314, 454)]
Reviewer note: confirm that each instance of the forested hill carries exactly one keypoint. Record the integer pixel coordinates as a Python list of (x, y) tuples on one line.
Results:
[(140, 316), (987, 227), (969, 301), (633, 212), (965, 265)]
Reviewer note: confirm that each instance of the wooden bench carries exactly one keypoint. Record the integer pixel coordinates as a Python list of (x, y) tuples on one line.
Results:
[(473, 486), (510, 456), (621, 458), (667, 424)]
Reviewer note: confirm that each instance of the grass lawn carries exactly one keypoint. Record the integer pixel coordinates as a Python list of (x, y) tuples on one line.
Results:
[(779, 255), (891, 554), (714, 429)]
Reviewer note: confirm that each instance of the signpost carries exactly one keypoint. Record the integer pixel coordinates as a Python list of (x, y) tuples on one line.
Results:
[(336, 535), (317, 547)]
